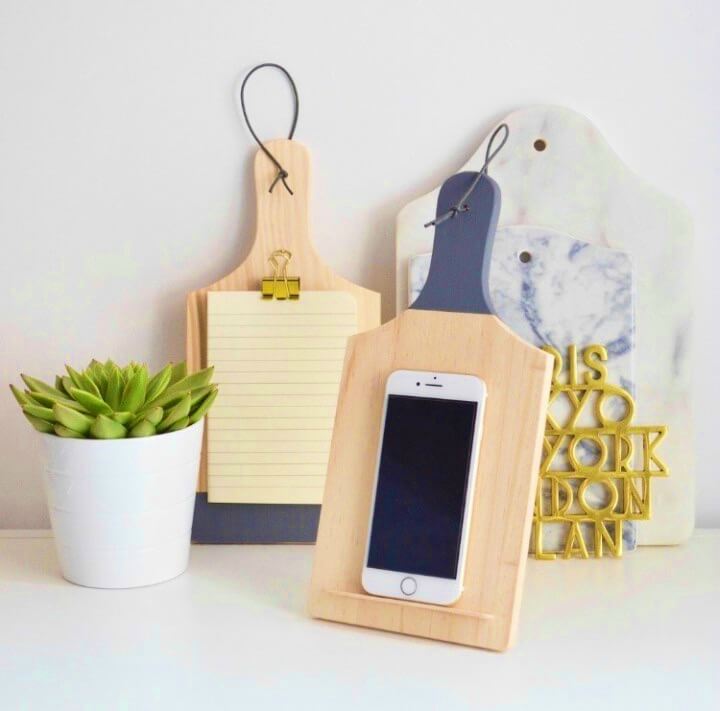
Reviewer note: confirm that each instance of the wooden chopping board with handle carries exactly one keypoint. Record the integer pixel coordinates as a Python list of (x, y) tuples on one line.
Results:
[(282, 224), (450, 328)]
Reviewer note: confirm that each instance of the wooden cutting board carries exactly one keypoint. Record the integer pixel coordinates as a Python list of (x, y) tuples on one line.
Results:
[(449, 329), (554, 290), (557, 171), (282, 223)]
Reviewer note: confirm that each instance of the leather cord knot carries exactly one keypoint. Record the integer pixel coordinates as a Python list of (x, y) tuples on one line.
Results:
[(282, 174), (461, 205)]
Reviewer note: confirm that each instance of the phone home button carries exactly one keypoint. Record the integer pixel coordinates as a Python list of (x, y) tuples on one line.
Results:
[(408, 586)]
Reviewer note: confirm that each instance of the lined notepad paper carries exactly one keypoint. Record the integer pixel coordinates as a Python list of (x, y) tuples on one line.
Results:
[(278, 366)]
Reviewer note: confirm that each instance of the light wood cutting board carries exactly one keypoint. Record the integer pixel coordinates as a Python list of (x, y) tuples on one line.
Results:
[(449, 329), (282, 223)]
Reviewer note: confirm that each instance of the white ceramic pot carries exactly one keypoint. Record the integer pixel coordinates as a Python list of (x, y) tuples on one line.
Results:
[(122, 510)]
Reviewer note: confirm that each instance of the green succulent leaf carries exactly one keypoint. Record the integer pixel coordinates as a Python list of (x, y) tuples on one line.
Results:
[(179, 371), (154, 415), (67, 383), (106, 428), (144, 428), (113, 393), (39, 424), (201, 410), (178, 412), (166, 400), (49, 400), (123, 417), (42, 413), (199, 394), (92, 403), (158, 383), (193, 381), (134, 392), (62, 431), (89, 385), (20, 396), (74, 376), (33, 398), (179, 425), (96, 372), (59, 385), (37, 386), (127, 373), (72, 419)]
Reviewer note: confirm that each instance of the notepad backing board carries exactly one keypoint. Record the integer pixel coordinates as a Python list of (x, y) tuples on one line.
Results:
[(282, 222)]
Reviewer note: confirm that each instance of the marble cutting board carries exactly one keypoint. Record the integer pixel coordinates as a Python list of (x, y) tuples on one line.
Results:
[(558, 171), (554, 290)]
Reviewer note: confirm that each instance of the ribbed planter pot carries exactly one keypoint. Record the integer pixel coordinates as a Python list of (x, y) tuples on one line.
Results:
[(122, 510)]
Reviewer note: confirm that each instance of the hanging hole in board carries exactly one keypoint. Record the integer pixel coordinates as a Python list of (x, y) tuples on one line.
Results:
[(525, 257), (540, 145)]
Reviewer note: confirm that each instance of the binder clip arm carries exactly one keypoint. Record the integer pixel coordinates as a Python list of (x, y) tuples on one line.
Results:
[(280, 286)]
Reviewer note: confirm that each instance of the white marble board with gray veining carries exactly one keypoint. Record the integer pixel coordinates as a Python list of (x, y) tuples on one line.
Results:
[(554, 290), (558, 172)]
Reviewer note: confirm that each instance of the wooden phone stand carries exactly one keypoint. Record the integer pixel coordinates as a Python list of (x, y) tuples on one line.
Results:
[(449, 329)]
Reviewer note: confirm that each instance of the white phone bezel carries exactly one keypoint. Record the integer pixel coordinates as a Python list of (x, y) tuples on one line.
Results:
[(445, 386)]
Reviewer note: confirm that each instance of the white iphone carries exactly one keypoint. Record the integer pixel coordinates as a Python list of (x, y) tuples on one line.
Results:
[(424, 486)]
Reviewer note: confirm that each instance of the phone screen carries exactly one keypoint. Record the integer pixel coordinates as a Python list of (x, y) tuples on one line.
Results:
[(422, 485)]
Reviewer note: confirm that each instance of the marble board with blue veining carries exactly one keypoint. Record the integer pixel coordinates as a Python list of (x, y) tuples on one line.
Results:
[(558, 171), (554, 290)]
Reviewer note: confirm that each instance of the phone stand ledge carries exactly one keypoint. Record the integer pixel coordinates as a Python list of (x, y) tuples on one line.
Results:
[(419, 619)]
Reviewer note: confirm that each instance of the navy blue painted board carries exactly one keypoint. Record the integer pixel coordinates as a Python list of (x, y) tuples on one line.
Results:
[(254, 523), (462, 247)]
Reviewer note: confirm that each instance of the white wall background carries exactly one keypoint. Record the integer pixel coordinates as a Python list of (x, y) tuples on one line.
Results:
[(124, 167)]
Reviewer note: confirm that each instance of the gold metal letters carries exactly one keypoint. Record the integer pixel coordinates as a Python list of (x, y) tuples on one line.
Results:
[(597, 465)]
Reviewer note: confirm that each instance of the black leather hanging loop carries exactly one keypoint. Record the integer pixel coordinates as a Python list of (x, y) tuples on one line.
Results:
[(461, 205), (282, 173)]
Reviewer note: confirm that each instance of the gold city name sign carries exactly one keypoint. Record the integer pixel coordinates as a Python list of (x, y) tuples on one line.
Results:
[(597, 465)]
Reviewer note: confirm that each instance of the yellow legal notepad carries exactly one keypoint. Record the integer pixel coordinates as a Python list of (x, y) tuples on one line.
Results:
[(278, 366)]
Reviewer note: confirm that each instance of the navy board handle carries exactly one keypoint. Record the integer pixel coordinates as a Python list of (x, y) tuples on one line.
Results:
[(459, 276)]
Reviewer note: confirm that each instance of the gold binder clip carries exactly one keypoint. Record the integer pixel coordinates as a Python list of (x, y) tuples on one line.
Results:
[(280, 285)]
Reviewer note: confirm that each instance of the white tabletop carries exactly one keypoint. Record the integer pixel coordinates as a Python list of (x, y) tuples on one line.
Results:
[(642, 632)]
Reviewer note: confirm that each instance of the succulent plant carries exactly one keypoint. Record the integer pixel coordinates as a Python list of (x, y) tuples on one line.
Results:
[(105, 401)]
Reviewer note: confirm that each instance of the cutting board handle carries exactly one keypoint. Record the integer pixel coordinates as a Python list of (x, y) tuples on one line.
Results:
[(282, 217), (459, 276)]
